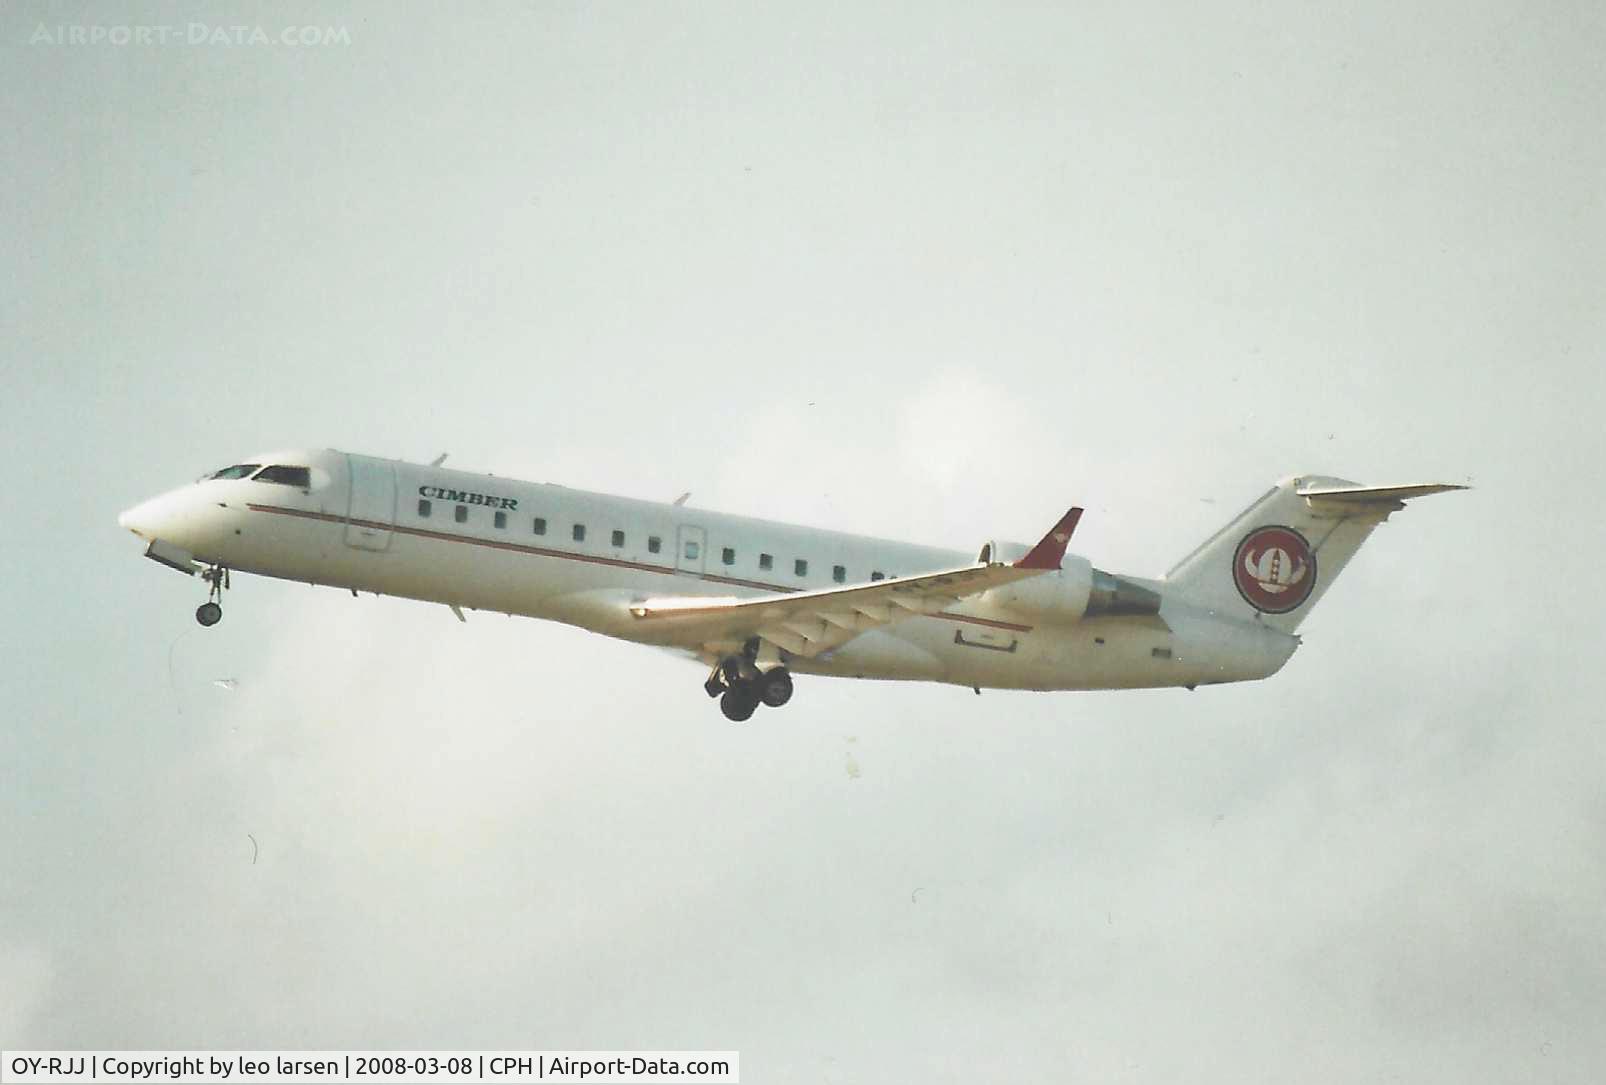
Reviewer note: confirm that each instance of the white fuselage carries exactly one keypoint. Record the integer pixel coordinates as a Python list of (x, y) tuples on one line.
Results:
[(545, 551)]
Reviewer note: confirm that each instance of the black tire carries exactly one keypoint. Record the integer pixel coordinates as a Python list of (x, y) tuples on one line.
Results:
[(209, 614), (738, 704), (775, 688)]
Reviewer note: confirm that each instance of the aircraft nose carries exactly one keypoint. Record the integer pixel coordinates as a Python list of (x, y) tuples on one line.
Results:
[(139, 519)]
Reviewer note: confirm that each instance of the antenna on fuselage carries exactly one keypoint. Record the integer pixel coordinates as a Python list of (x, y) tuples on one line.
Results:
[(681, 500), (438, 460)]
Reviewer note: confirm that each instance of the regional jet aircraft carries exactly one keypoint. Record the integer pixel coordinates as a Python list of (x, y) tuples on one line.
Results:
[(758, 602)]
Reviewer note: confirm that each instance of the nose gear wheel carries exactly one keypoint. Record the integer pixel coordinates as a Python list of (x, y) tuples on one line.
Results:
[(210, 612)]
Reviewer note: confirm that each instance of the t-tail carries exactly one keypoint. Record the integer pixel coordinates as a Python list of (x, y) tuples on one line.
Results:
[(1274, 561)]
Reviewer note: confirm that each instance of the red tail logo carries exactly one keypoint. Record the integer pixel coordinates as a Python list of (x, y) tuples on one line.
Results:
[(1274, 569)]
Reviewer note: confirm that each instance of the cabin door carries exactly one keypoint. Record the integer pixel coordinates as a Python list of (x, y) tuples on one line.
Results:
[(371, 513), (690, 542)]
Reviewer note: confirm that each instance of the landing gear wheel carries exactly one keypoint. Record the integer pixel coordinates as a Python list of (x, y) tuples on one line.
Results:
[(209, 614), (775, 688), (738, 704)]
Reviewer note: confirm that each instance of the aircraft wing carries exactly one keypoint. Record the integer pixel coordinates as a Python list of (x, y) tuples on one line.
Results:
[(809, 623)]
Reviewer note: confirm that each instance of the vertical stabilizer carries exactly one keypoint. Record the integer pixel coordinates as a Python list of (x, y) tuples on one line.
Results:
[(1276, 559)]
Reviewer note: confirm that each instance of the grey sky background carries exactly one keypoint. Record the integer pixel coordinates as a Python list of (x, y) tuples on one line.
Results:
[(926, 272)]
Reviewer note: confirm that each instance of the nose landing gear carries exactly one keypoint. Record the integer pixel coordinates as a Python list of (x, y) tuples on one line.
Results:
[(210, 612)]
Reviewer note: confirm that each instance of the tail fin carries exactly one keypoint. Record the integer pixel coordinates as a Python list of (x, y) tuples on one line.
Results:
[(1282, 553)]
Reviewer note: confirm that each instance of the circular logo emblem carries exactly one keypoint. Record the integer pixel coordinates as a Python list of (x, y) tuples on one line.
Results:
[(1274, 569)]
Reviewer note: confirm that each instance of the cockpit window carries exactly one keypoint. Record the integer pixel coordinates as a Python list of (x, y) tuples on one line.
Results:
[(287, 476), (239, 470)]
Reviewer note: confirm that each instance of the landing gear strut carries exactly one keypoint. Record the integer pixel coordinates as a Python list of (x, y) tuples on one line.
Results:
[(210, 612), (742, 686)]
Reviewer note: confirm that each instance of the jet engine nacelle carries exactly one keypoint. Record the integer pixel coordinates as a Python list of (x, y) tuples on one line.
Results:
[(1075, 591), (1060, 596)]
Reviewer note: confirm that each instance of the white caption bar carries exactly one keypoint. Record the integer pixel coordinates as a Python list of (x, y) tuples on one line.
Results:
[(379, 1067)]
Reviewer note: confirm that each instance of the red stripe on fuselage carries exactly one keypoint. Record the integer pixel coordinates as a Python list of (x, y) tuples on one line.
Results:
[(620, 563)]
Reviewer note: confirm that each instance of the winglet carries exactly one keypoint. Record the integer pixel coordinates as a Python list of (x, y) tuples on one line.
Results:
[(1049, 552)]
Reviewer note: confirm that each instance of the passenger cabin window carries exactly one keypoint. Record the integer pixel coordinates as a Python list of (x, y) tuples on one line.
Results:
[(539, 527), (766, 561), (618, 538), (239, 470), (654, 544), (579, 533), (462, 514), (839, 574), (300, 477), (501, 518), (727, 556), (878, 576), (423, 507), (800, 567)]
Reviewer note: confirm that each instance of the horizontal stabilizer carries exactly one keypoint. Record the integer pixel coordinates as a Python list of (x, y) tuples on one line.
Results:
[(1368, 494)]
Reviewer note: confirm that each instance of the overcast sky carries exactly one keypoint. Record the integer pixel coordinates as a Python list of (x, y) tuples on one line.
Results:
[(932, 273)]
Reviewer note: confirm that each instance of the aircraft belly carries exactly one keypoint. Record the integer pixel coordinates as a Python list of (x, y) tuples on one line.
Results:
[(477, 578), (1105, 653), (878, 653)]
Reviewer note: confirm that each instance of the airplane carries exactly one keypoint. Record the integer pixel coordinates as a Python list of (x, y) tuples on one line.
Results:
[(756, 601)]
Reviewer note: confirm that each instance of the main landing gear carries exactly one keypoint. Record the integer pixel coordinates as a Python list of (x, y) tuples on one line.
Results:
[(741, 686), (210, 612)]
